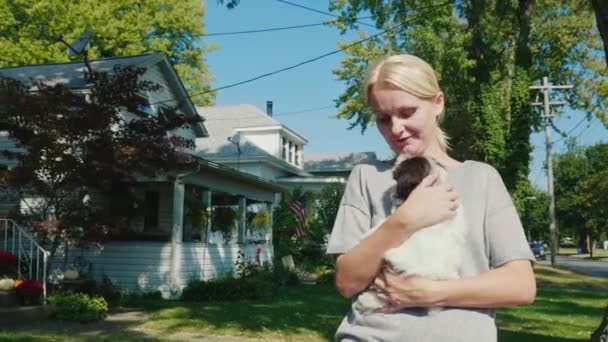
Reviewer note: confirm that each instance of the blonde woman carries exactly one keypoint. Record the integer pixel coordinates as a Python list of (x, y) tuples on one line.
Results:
[(404, 94)]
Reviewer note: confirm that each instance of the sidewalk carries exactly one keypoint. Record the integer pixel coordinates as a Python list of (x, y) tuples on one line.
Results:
[(121, 322)]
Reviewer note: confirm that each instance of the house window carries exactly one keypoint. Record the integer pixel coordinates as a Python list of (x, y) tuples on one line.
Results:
[(143, 106), (151, 206), (297, 153), (284, 148), (290, 152)]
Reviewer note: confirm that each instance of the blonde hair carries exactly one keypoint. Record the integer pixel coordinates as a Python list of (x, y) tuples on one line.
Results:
[(408, 73)]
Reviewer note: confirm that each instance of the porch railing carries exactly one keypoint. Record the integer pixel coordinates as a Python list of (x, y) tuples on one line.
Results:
[(32, 259)]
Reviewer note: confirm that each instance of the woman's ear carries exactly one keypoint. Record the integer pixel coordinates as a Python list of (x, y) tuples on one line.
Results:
[(438, 105)]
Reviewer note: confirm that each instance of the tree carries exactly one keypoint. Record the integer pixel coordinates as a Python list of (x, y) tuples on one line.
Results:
[(83, 147), (534, 216), (601, 15), (120, 28), (580, 185), (486, 54)]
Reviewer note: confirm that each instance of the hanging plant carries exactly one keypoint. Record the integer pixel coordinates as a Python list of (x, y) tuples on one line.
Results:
[(195, 213), (223, 220), (260, 220)]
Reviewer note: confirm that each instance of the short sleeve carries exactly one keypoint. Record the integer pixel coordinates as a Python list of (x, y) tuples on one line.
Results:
[(353, 218), (505, 236)]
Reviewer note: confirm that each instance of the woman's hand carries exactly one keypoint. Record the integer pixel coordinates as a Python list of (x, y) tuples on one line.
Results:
[(429, 203), (402, 290)]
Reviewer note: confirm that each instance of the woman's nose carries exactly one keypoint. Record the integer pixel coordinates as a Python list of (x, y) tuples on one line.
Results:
[(397, 125)]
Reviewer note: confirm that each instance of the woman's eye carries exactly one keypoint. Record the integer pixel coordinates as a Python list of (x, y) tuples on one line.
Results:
[(406, 113), (384, 119)]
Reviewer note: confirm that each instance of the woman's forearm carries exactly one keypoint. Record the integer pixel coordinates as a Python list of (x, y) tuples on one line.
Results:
[(510, 284), (357, 268)]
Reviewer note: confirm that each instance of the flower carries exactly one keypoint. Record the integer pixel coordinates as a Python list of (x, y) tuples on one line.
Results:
[(259, 249), (30, 288), (7, 258)]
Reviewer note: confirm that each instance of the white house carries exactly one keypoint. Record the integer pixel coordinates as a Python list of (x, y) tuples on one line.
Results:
[(160, 250), (245, 138)]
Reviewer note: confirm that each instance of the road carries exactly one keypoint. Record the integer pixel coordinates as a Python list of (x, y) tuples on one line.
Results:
[(592, 267)]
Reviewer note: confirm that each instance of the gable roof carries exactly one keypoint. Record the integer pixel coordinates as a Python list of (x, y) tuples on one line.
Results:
[(70, 74), (226, 121), (332, 162)]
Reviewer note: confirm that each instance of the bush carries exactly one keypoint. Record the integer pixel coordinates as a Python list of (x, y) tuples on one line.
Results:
[(77, 307), (250, 281)]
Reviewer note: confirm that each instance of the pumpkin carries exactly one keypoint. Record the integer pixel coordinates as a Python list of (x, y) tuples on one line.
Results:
[(70, 274), (17, 282), (6, 284)]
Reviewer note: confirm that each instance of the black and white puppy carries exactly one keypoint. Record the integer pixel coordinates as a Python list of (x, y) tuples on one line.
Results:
[(434, 252)]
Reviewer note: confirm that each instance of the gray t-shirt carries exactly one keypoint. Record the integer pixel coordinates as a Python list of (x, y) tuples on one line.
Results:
[(495, 236)]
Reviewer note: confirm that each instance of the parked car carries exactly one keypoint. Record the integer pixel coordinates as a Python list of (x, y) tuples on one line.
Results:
[(566, 244), (538, 250)]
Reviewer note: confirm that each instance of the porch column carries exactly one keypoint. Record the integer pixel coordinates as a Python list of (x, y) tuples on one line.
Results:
[(275, 203), (207, 203), (242, 217), (268, 232), (177, 231)]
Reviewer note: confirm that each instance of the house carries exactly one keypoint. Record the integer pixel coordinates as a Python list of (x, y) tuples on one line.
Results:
[(245, 138), (162, 249)]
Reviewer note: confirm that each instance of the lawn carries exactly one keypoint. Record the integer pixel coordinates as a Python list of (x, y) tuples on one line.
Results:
[(568, 308), (598, 253)]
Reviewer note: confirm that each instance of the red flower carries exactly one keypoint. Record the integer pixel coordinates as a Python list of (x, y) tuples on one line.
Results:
[(259, 249), (30, 288), (7, 258)]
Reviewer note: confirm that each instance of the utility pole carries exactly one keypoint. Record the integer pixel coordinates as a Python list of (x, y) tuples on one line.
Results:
[(547, 115)]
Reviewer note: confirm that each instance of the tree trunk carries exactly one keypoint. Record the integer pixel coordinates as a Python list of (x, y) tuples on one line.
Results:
[(601, 15), (582, 241)]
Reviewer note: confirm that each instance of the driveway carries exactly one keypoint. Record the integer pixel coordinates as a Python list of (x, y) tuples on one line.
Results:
[(591, 267)]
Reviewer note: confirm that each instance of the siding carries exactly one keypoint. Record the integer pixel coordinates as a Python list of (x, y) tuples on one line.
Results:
[(146, 266)]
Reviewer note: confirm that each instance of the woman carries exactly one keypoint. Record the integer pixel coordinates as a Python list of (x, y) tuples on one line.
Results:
[(404, 94)]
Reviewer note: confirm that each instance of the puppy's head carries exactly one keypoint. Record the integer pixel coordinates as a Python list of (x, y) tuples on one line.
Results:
[(408, 173)]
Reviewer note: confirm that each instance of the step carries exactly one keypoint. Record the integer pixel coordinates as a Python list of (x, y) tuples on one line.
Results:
[(23, 313)]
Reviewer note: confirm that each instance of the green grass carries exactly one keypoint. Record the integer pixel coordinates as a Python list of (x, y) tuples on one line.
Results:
[(557, 315), (303, 313), (568, 308), (551, 277), (598, 254)]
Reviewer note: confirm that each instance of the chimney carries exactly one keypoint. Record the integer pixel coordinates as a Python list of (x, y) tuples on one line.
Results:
[(269, 108)]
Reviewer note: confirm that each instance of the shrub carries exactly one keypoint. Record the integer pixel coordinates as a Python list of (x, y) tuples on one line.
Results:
[(77, 307), (250, 281), (328, 278)]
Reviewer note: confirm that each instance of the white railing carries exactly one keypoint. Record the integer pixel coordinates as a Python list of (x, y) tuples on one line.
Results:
[(32, 259)]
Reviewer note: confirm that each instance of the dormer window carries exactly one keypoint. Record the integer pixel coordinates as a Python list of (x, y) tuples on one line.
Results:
[(143, 106), (284, 148), (290, 152)]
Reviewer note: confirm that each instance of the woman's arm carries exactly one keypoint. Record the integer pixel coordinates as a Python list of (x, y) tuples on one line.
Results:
[(356, 269), (512, 283)]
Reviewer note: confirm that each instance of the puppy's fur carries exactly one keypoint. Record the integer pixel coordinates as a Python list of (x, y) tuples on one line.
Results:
[(434, 252)]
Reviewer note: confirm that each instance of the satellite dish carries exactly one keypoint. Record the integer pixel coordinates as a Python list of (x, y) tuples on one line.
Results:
[(78, 45), (235, 139)]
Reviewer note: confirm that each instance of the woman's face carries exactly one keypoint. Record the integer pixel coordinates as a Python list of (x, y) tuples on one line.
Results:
[(406, 122)]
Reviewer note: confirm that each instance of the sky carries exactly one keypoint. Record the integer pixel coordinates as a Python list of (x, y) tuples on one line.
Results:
[(304, 97)]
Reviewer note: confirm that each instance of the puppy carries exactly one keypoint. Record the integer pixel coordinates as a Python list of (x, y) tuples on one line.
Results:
[(434, 252)]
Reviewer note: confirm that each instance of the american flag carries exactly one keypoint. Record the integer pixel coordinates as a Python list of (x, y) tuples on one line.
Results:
[(300, 210)]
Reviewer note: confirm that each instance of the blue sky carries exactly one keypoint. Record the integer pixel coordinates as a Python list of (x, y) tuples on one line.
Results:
[(304, 97)]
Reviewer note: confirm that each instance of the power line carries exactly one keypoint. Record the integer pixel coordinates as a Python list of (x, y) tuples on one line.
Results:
[(258, 30), (302, 111), (308, 61), (322, 12), (570, 131)]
